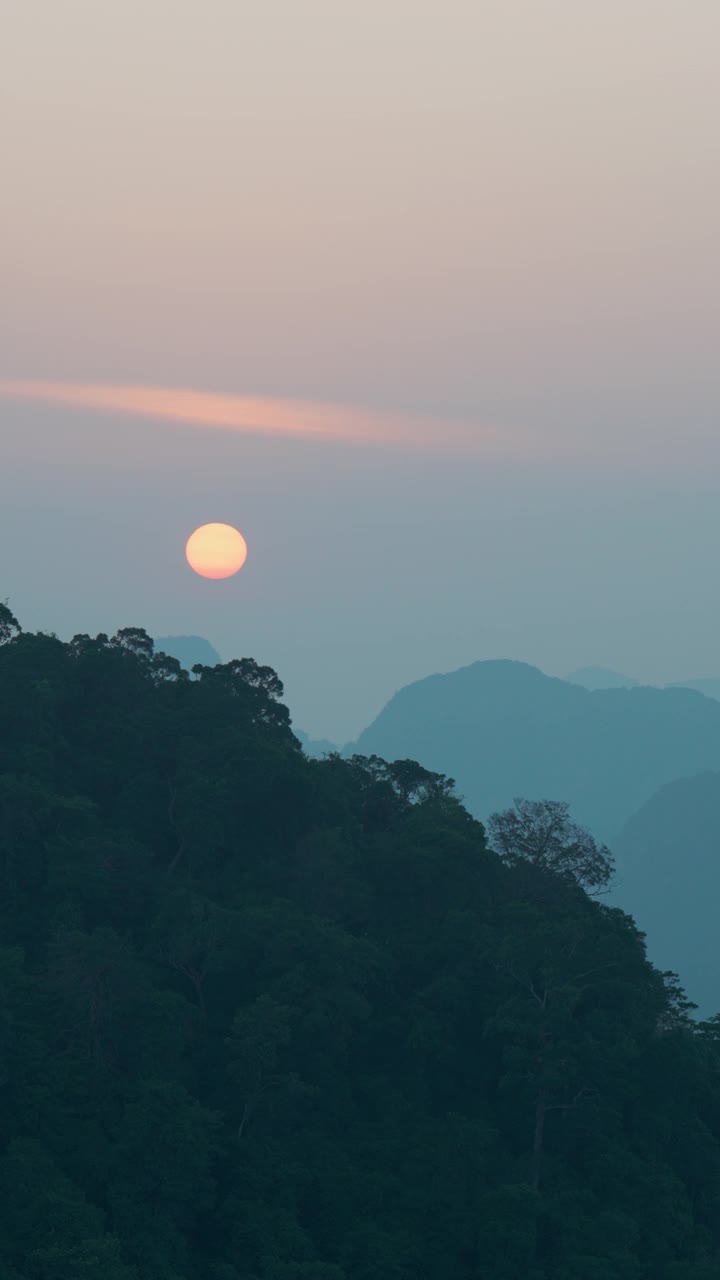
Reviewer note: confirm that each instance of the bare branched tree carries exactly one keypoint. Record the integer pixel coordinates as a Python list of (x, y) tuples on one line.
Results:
[(542, 833)]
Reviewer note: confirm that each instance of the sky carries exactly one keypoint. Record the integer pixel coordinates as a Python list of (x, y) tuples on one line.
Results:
[(421, 295)]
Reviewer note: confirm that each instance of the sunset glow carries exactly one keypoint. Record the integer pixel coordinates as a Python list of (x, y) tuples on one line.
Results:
[(263, 415), (216, 551)]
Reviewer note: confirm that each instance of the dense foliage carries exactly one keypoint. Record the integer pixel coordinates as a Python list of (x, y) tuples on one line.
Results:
[(264, 1017)]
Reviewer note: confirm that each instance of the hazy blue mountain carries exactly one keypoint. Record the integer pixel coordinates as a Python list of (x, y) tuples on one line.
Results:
[(188, 650), (601, 678), (669, 880), (503, 729), (315, 747), (710, 687)]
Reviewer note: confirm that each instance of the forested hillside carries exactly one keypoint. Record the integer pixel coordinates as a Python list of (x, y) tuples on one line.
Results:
[(265, 1017)]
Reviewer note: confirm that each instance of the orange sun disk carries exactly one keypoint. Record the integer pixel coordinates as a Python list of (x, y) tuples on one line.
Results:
[(216, 551)]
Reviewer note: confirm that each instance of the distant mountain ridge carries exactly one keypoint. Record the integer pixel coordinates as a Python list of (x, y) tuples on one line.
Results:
[(189, 650), (316, 748), (668, 856), (601, 678), (503, 729), (709, 687)]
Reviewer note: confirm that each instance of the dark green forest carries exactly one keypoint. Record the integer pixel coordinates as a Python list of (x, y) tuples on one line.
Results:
[(266, 1017)]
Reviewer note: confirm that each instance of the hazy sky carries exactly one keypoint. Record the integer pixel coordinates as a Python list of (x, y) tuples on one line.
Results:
[(422, 295)]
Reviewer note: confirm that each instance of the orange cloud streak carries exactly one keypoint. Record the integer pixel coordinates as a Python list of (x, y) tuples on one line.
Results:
[(260, 415)]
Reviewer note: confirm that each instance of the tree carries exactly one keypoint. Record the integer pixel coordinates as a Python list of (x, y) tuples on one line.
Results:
[(9, 625), (562, 983), (258, 688), (542, 833), (260, 1035), (135, 640), (408, 780), (51, 1230)]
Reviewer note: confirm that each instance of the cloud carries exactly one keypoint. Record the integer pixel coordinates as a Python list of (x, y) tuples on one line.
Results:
[(264, 415)]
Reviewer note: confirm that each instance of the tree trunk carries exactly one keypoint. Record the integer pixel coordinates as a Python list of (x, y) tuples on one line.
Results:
[(538, 1136)]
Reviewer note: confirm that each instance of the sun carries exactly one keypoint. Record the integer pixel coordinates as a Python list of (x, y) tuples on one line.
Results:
[(216, 551)]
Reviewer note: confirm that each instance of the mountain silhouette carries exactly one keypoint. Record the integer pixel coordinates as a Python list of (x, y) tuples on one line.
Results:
[(668, 856), (504, 729), (710, 687), (188, 650), (601, 678), (316, 748)]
